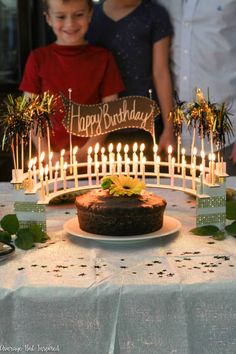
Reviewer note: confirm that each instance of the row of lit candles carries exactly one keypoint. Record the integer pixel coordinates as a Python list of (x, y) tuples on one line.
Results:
[(113, 163)]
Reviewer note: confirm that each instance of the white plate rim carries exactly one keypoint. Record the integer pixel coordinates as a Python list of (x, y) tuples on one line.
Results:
[(170, 226)]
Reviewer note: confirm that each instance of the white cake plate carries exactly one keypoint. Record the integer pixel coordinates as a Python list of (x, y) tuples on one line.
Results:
[(170, 226)]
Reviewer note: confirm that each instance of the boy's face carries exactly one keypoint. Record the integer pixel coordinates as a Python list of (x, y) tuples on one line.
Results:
[(69, 20)]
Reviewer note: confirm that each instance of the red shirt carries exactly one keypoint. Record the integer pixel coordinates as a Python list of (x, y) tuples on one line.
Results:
[(91, 73)]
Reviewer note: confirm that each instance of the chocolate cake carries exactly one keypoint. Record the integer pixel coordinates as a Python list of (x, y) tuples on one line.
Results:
[(102, 213)]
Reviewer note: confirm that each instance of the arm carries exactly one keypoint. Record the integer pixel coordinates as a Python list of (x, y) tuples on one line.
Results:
[(233, 153), (163, 86)]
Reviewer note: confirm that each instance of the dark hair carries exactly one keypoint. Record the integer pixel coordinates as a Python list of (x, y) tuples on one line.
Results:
[(46, 6)]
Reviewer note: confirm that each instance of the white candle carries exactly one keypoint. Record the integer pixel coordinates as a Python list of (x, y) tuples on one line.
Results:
[(41, 159), (35, 170), (64, 175), (213, 169), (46, 180), (56, 176), (89, 171), (62, 161), (127, 167), (102, 153), (183, 174), (135, 158), (201, 178), (119, 164), (126, 150), (183, 155), (142, 147), (50, 164), (75, 149), (41, 183), (172, 172), (97, 173), (29, 170), (118, 150), (96, 150), (104, 165), (143, 169), (193, 176), (170, 149), (157, 169), (111, 157)]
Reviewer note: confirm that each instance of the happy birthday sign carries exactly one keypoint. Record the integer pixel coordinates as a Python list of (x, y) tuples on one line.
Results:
[(127, 112)]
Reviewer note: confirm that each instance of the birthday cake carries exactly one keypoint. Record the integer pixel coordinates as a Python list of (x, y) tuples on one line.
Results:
[(125, 214)]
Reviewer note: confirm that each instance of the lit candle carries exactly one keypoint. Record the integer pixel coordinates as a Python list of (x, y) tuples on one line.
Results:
[(56, 176), (170, 149), (143, 168), (102, 153), (111, 157), (75, 149), (104, 165), (157, 169), (172, 172), (97, 173), (96, 150), (201, 178), (193, 176), (29, 170), (62, 161), (41, 159), (64, 175), (213, 169), (183, 155), (41, 183), (183, 174), (118, 150), (119, 164), (135, 166), (50, 165), (135, 158), (127, 167), (46, 180), (35, 170), (89, 171), (126, 150), (142, 147)]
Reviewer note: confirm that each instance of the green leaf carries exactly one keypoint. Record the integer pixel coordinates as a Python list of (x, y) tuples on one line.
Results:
[(10, 223), (106, 183), (25, 239), (231, 229), (5, 237), (206, 230), (219, 235), (38, 234), (231, 210)]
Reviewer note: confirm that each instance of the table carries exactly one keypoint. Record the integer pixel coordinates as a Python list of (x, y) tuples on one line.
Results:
[(175, 294)]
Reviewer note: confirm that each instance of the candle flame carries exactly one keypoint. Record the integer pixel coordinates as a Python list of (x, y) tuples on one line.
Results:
[(57, 165), (110, 147), (195, 151), (42, 156), (90, 149), (96, 149), (46, 170), (135, 147), (183, 151), (75, 149), (155, 148), (170, 149), (65, 166), (142, 147), (62, 152), (50, 155), (126, 148), (118, 148)]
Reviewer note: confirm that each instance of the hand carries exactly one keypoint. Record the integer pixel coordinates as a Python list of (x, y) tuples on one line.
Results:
[(167, 138)]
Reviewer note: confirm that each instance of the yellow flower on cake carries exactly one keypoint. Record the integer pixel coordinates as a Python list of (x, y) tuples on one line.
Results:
[(122, 185)]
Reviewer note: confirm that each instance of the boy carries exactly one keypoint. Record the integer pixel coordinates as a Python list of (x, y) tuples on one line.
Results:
[(71, 63)]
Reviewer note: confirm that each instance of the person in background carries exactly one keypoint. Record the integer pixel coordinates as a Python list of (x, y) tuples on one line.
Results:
[(138, 33), (71, 63), (204, 55)]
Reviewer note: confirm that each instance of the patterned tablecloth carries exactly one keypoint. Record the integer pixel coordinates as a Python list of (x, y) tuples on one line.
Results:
[(174, 294)]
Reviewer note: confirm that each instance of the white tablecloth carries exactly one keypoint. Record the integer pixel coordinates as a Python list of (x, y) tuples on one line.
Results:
[(175, 294)]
